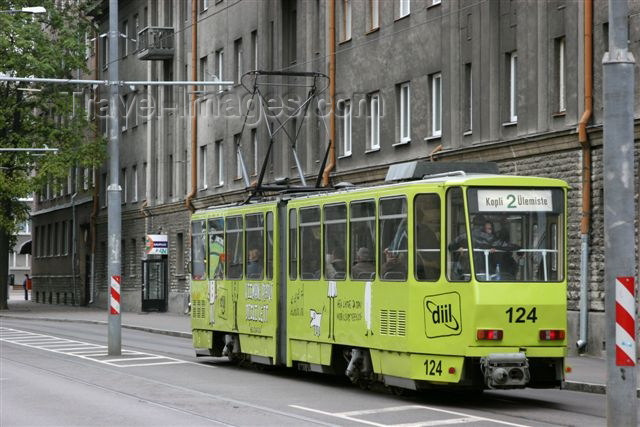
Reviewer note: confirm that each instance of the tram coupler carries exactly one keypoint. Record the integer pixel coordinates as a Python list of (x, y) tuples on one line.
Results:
[(505, 370)]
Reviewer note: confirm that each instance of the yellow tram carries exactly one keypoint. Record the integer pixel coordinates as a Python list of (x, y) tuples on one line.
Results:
[(456, 278)]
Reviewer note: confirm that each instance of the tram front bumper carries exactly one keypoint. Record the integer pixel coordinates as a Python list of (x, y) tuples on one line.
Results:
[(505, 370)]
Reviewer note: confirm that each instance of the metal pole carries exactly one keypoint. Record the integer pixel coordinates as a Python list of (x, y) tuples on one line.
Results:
[(114, 214), (619, 205)]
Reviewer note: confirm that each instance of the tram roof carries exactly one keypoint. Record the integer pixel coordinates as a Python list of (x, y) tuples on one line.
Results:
[(440, 180)]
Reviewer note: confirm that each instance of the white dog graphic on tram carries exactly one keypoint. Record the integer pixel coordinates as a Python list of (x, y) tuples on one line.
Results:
[(316, 320)]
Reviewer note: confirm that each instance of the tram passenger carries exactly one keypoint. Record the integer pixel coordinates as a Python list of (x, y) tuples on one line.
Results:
[(365, 266), (254, 264), (395, 265), (335, 264), (427, 241)]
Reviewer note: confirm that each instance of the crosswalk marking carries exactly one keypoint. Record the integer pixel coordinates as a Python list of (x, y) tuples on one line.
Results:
[(461, 418), (94, 352)]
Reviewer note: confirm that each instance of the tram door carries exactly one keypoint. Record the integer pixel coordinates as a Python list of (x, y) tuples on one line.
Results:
[(154, 285)]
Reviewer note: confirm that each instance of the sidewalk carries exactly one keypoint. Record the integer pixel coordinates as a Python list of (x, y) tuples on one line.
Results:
[(588, 374)]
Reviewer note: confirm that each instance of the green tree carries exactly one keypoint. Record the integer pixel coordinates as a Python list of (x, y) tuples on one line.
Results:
[(51, 45)]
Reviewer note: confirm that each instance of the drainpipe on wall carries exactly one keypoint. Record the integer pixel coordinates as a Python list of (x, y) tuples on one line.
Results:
[(586, 176), (194, 117), (332, 93)]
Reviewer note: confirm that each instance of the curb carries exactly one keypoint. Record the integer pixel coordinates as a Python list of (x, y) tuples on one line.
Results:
[(178, 334), (588, 387)]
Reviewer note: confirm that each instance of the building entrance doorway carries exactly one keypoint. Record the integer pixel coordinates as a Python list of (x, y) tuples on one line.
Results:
[(154, 285)]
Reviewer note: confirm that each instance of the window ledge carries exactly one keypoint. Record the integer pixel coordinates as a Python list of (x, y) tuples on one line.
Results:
[(401, 143), (433, 138), (344, 156), (345, 41), (219, 185), (559, 114), (400, 18), (372, 30), (432, 5), (372, 150), (467, 133), (509, 124)]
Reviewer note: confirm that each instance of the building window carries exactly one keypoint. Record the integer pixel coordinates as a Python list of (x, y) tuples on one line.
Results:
[(63, 240), (404, 8), (105, 185), (344, 110), (180, 253), (203, 71), (134, 183), (56, 240), (254, 145), (220, 64), (123, 180), (346, 20), (513, 92), (404, 108), (374, 15), (170, 176), (436, 104), (254, 49), (133, 258), (204, 5), (468, 98), (561, 100), (136, 24), (237, 141), (104, 50), (237, 47), (374, 121), (203, 167), (124, 39), (220, 162)]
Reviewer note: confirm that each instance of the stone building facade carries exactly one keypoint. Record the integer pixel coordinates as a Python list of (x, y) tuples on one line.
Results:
[(495, 81)]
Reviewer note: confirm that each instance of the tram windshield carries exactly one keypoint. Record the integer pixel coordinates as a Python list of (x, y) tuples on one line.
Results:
[(516, 235)]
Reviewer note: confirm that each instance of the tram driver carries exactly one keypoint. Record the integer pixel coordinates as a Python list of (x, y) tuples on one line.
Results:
[(484, 238)]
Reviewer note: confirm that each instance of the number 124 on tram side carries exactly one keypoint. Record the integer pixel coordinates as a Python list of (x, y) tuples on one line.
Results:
[(454, 280)]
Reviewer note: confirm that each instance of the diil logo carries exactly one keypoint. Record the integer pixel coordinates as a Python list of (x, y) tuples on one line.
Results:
[(442, 315)]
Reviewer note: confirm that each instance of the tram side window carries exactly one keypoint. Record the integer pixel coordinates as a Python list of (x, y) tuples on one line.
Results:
[(310, 245), (362, 258), (216, 248), (198, 250), (335, 241), (269, 251), (293, 244), (458, 267), (427, 237), (254, 250), (233, 250), (393, 238)]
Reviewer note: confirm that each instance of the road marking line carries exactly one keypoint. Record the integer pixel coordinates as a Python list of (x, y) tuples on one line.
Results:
[(88, 351), (440, 422), (150, 364), (135, 358), (466, 418)]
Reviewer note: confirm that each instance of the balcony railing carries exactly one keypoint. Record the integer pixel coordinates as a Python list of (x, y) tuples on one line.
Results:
[(155, 43)]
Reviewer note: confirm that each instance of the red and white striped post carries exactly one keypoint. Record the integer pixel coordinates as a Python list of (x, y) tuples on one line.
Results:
[(115, 295), (625, 322)]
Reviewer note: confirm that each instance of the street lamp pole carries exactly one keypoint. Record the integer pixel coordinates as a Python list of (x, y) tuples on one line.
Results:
[(114, 213)]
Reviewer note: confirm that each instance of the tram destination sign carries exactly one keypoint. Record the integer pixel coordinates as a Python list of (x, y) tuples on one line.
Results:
[(515, 200)]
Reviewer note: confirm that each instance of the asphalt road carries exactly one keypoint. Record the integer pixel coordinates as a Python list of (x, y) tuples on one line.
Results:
[(55, 373)]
